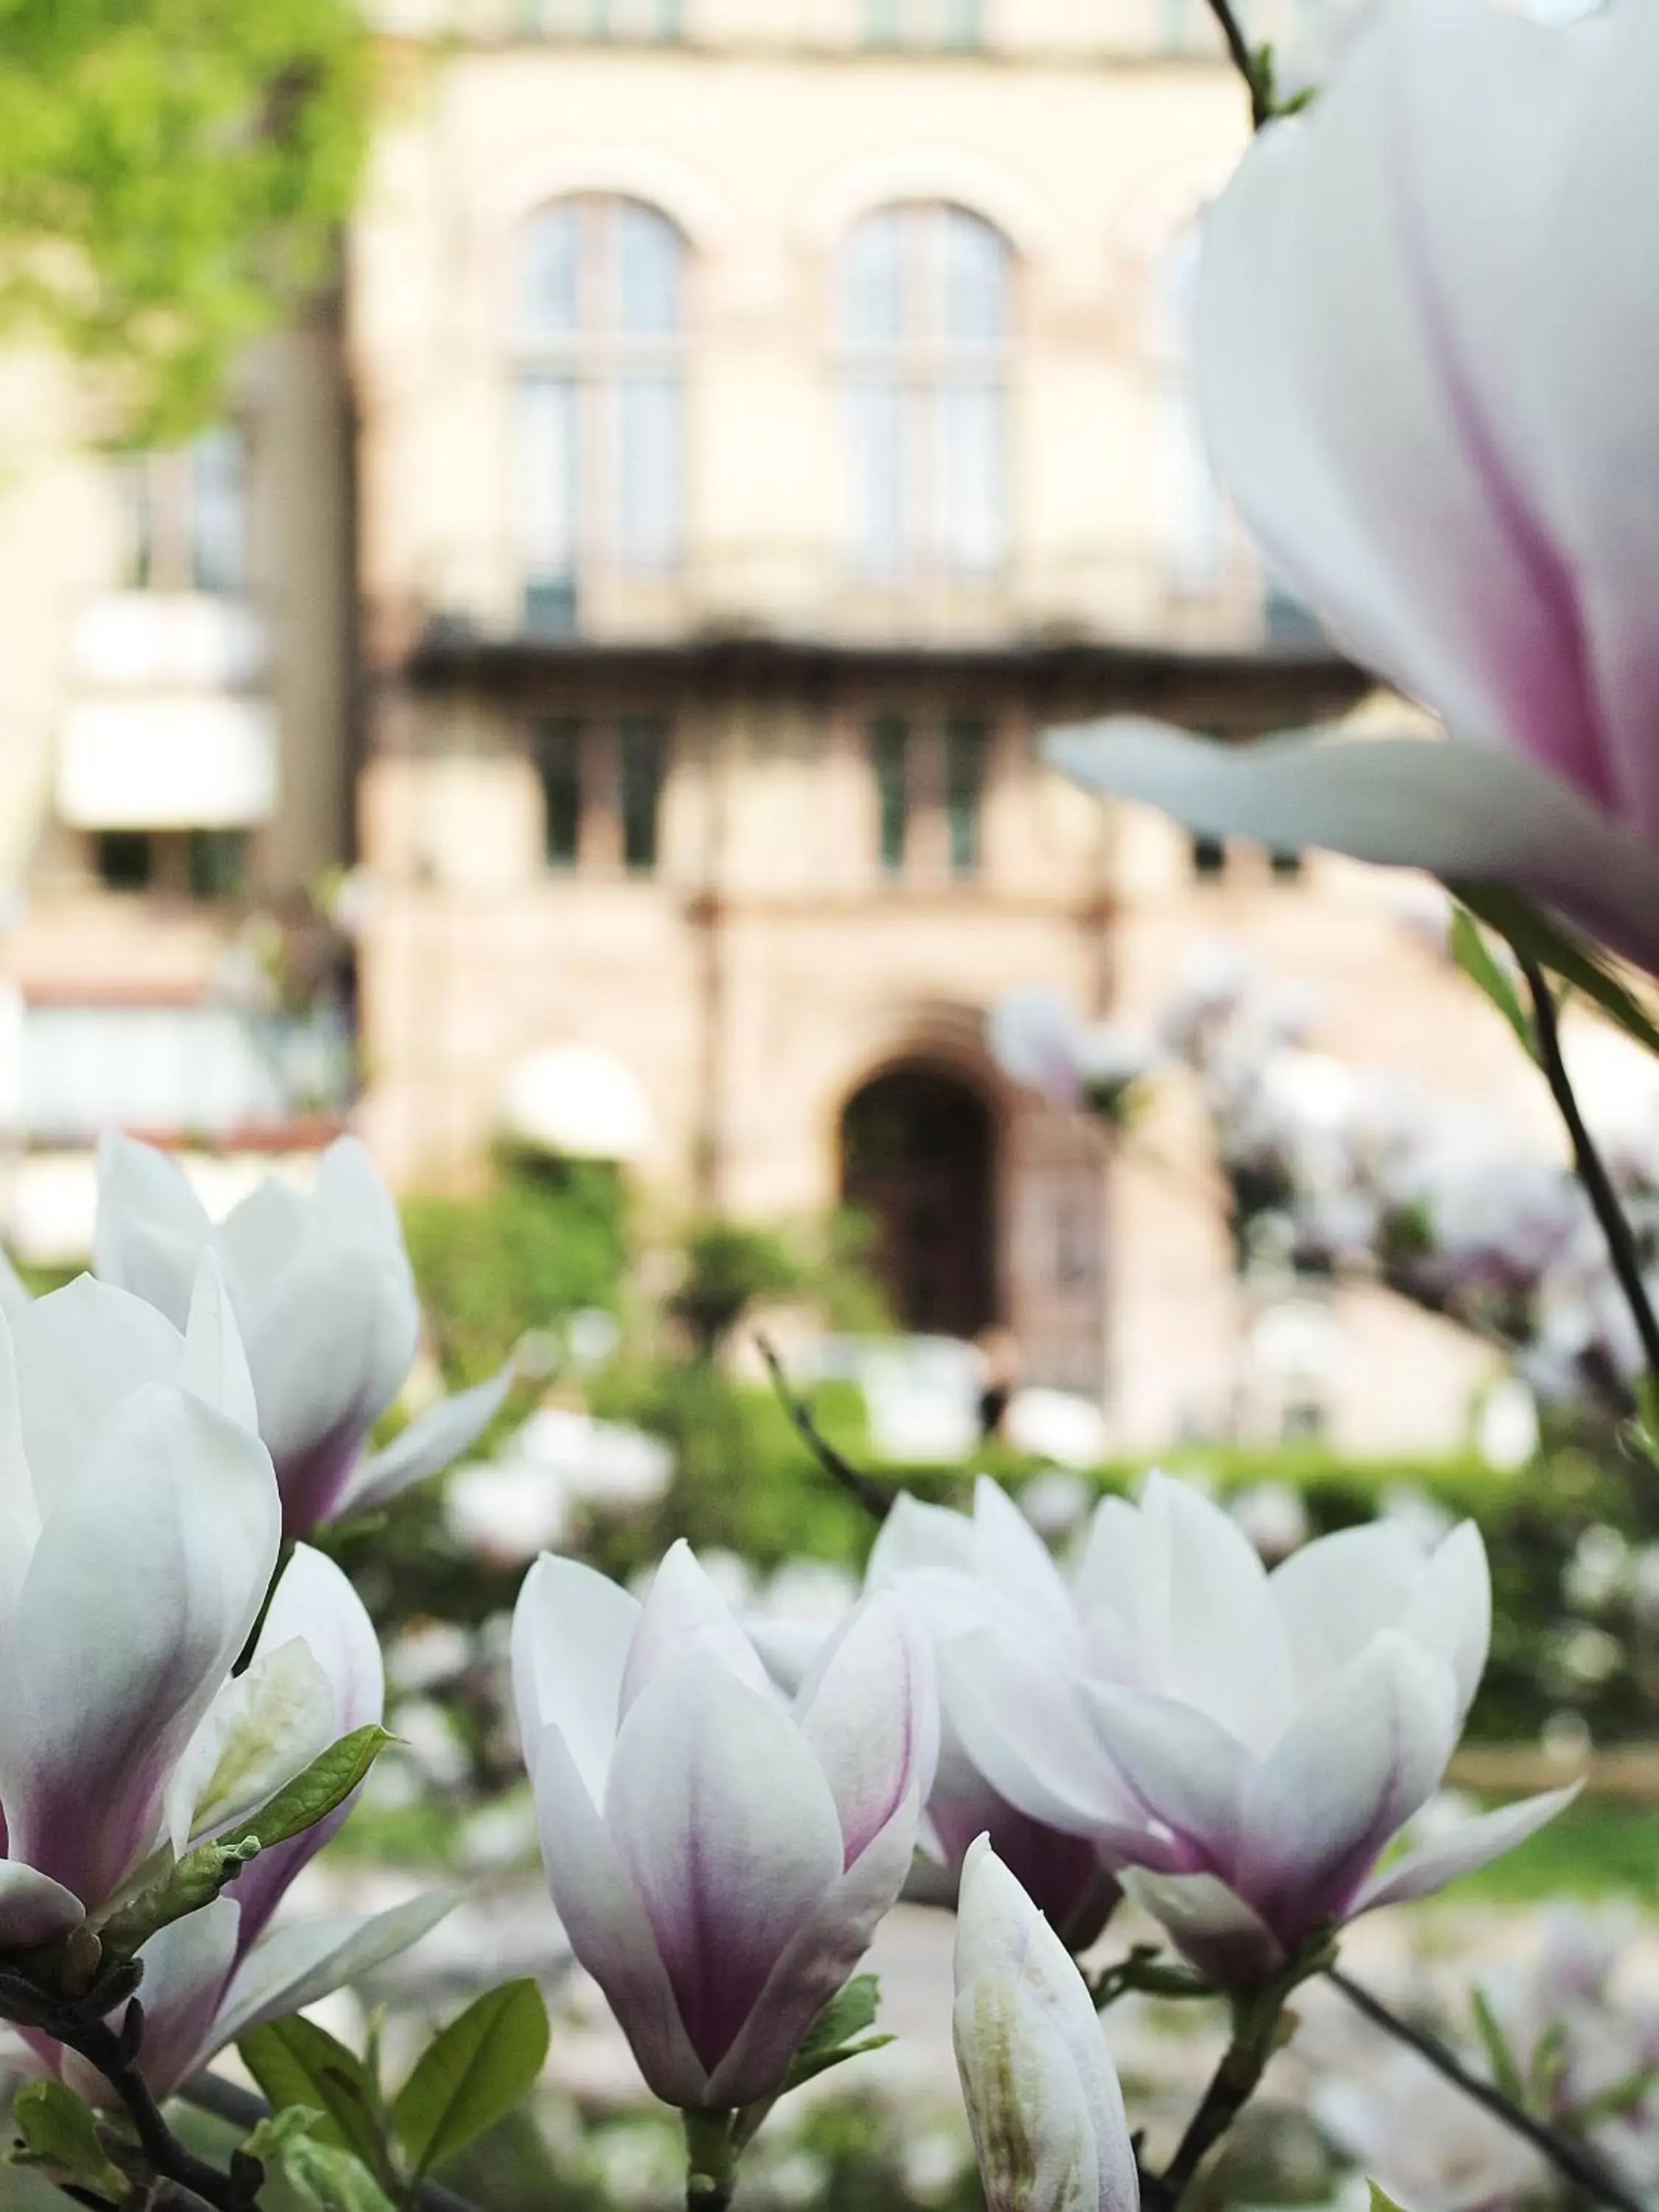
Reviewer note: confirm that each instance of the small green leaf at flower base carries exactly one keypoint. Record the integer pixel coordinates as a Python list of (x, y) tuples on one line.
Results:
[(298, 2065), (330, 2179), (838, 2033), (58, 2132), (471, 2075), (1382, 2202), (1473, 956), (1536, 936), (1505, 2067), (200, 1876)]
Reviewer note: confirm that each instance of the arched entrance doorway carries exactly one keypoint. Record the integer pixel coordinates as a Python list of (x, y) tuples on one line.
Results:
[(918, 1153)]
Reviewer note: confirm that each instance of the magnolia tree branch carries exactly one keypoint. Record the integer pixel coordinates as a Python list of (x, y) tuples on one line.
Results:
[(1249, 67), (1591, 1168), (114, 2052), (1577, 2161), (876, 1497)]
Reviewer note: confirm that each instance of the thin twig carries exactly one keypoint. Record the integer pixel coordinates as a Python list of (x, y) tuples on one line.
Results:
[(1592, 1170), (876, 1497), (114, 2053), (1238, 52), (228, 2100), (1577, 2161)]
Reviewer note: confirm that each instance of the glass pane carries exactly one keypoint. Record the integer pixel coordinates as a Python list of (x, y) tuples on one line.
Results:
[(976, 279), (557, 745), (970, 522), (648, 491), (643, 746), (876, 467), (873, 280), (218, 518), (890, 753), (546, 474), (550, 307), (649, 255), (215, 863), (964, 785), (125, 859)]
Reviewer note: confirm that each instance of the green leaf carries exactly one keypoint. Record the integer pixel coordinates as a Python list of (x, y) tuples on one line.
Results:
[(1538, 936), (198, 1877), (1473, 956), (1381, 2200), (300, 2065), (331, 2179), (472, 2075), (59, 2132), (838, 2034), (1506, 2067)]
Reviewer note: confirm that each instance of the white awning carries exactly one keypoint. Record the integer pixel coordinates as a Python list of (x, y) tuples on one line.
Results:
[(578, 1102), (167, 763)]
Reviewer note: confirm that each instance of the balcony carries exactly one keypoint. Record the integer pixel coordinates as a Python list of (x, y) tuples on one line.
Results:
[(167, 761)]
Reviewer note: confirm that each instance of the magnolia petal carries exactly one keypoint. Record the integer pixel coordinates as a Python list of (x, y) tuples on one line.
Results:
[(151, 1227), (265, 1726), (1474, 1845), (721, 1818), (1208, 1924), (818, 1958), (1465, 812), (293, 1966), (148, 1577), (20, 1514), (1225, 1652), (315, 1604), (572, 1631), (1335, 1594), (187, 1967), (1037, 2076), (870, 1713), (352, 1198), (260, 1237), (1186, 1769), (215, 1365), (1451, 1610), (1010, 1559), (916, 1535), (14, 1291), (33, 1908), (607, 1926), (1359, 1759), (433, 1441), (684, 1613), (1019, 1723), (80, 1352)]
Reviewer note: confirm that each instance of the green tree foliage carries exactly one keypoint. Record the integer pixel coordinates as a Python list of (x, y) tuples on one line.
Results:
[(172, 174)]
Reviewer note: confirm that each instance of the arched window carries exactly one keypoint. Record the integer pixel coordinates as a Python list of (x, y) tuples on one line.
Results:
[(924, 327), (599, 467)]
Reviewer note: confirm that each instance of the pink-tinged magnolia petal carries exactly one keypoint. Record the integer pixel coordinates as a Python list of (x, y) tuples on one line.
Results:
[(684, 1614), (1474, 1845), (265, 1726), (1063, 1876), (315, 1603), (1451, 1610), (818, 1958), (148, 1577), (433, 1441), (1223, 1648), (1019, 1723), (260, 1237), (789, 1650), (1110, 1574), (608, 1928), (1042, 2093), (215, 1365), (33, 1909), (187, 1967), (1353, 1767), (916, 1535), (870, 1713), (1337, 1593), (1208, 1925), (151, 1227), (572, 1632), (1186, 1769), (293, 1966), (20, 1514), (351, 1196), (1035, 1039), (81, 1352), (721, 1818)]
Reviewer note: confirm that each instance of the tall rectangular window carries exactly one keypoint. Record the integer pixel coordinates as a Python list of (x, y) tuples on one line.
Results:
[(557, 746), (643, 746), (185, 516), (890, 753), (965, 743)]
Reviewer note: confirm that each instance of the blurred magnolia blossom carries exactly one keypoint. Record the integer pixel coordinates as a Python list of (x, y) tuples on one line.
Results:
[(1037, 1041), (1242, 1747), (561, 1461), (1043, 2096), (1428, 342), (718, 1857), (325, 1308)]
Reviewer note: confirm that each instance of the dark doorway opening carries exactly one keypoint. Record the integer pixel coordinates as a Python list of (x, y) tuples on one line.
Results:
[(918, 1149)]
